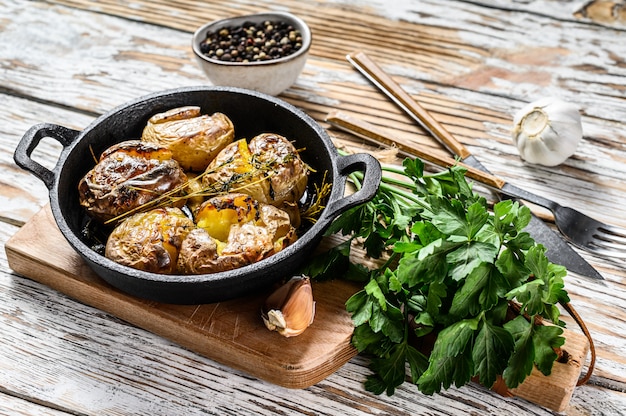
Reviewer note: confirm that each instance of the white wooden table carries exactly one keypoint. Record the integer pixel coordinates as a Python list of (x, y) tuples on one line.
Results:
[(473, 64)]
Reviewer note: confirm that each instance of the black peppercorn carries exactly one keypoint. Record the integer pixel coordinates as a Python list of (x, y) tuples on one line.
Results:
[(252, 42)]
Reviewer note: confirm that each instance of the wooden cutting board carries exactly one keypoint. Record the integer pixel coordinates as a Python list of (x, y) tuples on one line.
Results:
[(233, 333)]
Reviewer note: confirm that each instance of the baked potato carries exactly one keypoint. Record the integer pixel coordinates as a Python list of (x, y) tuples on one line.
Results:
[(281, 164), (193, 138), (127, 176), (150, 241), (234, 230), (268, 168)]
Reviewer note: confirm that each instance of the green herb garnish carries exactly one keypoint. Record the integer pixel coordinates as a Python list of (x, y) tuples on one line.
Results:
[(461, 290)]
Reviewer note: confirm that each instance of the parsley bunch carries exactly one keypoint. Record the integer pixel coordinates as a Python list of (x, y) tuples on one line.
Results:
[(451, 270)]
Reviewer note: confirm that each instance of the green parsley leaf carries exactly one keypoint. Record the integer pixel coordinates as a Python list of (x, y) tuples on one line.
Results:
[(448, 216), (510, 217), (356, 220), (437, 291), (469, 256), (545, 340), (427, 264), (450, 359), (374, 290), (334, 262), (418, 363), (390, 371), (414, 169), (520, 364), (364, 339), (537, 262), (492, 348), (529, 294), (360, 306), (511, 262), (465, 301)]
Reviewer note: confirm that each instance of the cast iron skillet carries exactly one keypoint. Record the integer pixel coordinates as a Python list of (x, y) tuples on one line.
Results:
[(252, 113)]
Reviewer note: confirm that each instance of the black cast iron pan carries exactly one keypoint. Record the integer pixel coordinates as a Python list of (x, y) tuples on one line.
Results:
[(252, 113)]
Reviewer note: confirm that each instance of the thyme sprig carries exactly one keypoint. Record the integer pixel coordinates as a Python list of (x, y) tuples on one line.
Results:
[(184, 191)]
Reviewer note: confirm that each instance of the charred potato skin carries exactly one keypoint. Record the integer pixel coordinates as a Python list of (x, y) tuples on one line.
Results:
[(256, 232), (150, 241), (194, 139), (127, 176)]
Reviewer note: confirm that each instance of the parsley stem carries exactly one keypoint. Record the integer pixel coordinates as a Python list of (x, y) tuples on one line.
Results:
[(392, 258), (408, 197), (399, 182), (356, 179), (393, 169), (389, 185)]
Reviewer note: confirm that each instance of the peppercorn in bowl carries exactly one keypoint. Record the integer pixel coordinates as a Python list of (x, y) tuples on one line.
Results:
[(264, 52)]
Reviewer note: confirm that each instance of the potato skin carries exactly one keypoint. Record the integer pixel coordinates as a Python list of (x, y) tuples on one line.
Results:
[(199, 255), (127, 176), (193, 138), (268, 167), (288, 174), (238, 231), (150, 241)]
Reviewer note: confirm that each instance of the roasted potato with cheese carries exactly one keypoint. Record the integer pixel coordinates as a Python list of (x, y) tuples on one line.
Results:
[(150, 241), (127, 176), (234, 230), (268, 168), (193, 138)]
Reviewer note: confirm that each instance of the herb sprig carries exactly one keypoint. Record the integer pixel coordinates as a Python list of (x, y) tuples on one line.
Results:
[(450, 270)]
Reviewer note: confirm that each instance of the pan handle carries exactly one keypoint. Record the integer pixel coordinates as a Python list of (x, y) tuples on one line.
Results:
[(372, 174), (30, 141)]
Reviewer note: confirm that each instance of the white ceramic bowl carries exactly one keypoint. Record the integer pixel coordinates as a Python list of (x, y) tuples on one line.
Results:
[(271, 76)]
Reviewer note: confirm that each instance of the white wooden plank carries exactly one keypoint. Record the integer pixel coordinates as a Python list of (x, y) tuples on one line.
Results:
[(90, 61), (16, 406)]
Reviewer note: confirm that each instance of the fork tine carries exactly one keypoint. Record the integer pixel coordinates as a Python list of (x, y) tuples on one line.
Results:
[(599, 242), (603, 250), (609, 240), (614, 231)]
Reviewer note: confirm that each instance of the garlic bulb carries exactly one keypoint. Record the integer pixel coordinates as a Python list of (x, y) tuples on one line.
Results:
[(290, 309), (547, 131)]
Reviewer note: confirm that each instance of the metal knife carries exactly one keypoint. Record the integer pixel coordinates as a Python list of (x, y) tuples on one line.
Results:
[(558, 250)]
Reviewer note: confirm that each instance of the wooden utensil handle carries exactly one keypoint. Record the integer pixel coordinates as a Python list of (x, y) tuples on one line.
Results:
[(374, 134), (383, 81)]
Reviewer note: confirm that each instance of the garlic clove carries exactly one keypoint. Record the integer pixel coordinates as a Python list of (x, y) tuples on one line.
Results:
[(290, 309), (547, 131)]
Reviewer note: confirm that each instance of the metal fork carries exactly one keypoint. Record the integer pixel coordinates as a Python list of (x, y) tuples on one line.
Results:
[(579, 229)]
